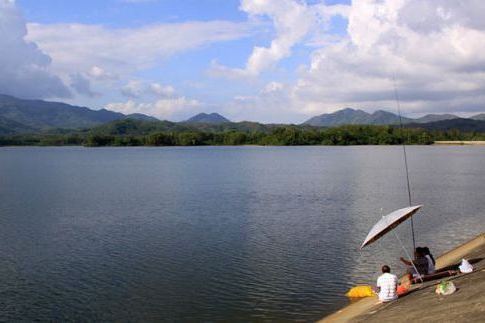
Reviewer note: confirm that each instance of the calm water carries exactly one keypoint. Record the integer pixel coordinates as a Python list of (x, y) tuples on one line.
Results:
[(214, 233)]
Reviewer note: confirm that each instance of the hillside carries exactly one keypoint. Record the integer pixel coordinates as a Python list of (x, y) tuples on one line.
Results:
[(8, 127), (19, 116), (140, 127), (207, 118), (434, 117), (352, 116)]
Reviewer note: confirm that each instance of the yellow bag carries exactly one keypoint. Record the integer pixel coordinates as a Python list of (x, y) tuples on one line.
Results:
[(360, 291)]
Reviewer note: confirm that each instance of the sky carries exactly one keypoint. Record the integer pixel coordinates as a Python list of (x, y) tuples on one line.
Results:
[(279, 61)]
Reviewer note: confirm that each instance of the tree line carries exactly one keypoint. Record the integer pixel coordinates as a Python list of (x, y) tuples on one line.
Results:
[(278, 136)]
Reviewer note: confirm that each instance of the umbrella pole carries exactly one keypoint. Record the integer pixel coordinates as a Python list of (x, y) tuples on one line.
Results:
[(409, 257), (412, 230)]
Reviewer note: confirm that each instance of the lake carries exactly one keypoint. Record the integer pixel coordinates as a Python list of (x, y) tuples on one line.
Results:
[(217, 233)]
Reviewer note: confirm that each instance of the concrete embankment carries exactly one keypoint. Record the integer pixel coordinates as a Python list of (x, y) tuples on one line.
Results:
[(458, 142), (422, 304)]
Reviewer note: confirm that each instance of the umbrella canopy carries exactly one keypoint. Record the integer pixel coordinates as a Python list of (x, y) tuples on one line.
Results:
[(389, 222)]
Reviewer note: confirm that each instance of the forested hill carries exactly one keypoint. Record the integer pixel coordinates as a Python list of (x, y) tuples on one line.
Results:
[(131, 132), (207, 118), (139, 127), (21, 116), (379, 117)]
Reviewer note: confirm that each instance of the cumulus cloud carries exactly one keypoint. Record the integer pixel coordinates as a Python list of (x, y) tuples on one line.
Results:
[(24, 68), (162, 90), (100, 74), (133, 89), (166, 105), (170, 108), (137, 89), (430, 61), (435, 59), (271, 104), (292, 21)]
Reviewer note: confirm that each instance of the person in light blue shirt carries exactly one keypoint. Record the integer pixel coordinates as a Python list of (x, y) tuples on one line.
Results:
[(431, 261)]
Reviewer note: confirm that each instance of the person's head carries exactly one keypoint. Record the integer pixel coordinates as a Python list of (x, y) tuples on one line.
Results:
[(425, 251), (418, 252), (386, 269)]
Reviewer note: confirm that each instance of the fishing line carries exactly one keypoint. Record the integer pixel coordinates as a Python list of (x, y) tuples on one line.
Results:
[(398, 103)]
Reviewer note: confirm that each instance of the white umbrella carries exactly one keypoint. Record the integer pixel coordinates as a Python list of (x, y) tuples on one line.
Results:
[(389, 222)]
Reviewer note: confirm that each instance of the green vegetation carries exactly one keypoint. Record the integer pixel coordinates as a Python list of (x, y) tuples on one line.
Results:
[(142, 133), (27, 116)]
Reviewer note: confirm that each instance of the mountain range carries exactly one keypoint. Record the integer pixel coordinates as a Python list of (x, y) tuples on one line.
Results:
[(33, 116), (379, 117), (20, 116)]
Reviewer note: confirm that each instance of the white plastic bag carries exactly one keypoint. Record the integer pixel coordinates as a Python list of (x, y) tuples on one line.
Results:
[(465, 266)]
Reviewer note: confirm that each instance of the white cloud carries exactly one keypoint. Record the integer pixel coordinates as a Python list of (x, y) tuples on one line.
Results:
[(171, 108), (273, 87), (79, 47), (82, 85), (100, 74), (137, 89), (437, 58), (134, 89), (271, 104), (431, 65), (24, 68), (292, 20), (162, 90)]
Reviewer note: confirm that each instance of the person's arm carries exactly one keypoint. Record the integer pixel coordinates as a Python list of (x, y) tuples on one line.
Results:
[(378, 287), (407, 262)]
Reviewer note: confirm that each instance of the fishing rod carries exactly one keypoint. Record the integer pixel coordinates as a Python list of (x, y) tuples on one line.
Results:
[(398, 103)]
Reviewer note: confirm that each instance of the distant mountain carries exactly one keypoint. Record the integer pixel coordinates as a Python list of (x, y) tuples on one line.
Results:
[(434, 117), (207, 118), (352, 116), (480, 116), (345, 116), (20, 115), (140, 116), (379, 117)]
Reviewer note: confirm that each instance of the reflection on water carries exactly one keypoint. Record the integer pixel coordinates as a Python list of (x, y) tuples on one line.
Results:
[(213, 233)]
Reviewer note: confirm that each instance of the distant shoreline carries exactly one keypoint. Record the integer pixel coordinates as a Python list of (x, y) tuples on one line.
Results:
[(441, 143)]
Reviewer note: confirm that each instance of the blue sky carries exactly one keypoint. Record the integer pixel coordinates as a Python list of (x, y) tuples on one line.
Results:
[(118, 13), (268, 61)]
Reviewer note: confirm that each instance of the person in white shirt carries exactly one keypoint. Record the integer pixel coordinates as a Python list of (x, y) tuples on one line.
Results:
[(387, 285)]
